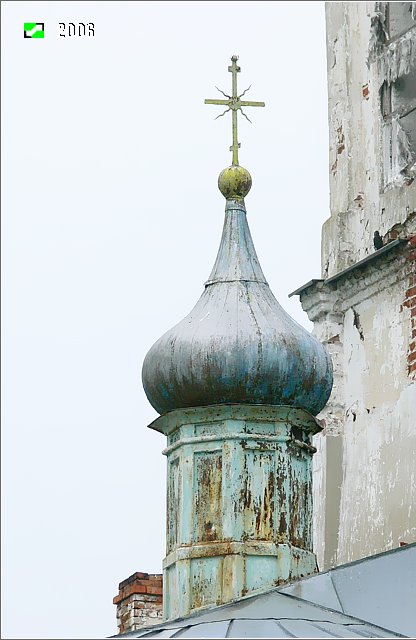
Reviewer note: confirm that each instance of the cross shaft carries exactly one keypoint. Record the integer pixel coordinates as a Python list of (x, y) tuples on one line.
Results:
[(234, 104)]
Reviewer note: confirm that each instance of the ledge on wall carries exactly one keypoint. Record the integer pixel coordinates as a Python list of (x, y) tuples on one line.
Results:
[(361, 263)]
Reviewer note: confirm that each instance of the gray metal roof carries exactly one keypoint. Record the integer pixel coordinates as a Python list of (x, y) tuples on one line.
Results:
[(371, 598), (380, 589), (270, 615)]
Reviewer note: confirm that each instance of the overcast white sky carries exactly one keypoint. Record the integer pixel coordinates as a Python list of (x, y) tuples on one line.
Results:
[(111, 224)]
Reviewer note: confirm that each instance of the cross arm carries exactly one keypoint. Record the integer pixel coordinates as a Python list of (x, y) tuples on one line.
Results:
[(223, 102), (246, 103)]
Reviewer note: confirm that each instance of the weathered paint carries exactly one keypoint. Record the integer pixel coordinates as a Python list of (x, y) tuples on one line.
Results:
[(239, 507), (237, 345), (364, 470), (234, 182), (368, 190)]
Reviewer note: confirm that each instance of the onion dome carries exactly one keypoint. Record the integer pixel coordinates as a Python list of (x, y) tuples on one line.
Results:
[(237, 345)]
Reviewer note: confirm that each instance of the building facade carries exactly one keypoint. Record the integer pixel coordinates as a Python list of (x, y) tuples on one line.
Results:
[(364, 305), (225, 496)]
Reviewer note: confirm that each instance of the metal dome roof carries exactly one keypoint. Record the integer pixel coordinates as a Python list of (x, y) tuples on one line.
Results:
[(237, 345)]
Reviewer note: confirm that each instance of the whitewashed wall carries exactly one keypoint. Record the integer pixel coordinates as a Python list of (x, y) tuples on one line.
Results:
[(364, 470)]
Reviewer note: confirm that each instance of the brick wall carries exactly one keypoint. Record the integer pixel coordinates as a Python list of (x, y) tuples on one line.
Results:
[(410, 302), (139, 601)]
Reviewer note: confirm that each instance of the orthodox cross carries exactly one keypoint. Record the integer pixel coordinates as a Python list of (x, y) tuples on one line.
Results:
[(234, 103)]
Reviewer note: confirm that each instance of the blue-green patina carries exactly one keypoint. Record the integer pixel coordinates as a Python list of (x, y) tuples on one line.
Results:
[(238, 383), (237, 345), (239, 505)]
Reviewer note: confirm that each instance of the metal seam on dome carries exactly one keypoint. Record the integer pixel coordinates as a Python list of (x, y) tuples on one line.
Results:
[(218, 280)]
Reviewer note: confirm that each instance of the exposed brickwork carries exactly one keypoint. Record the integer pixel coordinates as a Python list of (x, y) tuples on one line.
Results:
[(410, 302), (139, 601)]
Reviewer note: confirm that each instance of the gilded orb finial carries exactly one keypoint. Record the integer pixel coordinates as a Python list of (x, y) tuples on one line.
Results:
[(234, 182)]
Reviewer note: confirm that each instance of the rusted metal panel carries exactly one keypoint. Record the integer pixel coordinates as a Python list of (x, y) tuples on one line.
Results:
[(173, 502), (245, 486), (257, 495), (169, 586), (206, 581), (207, 492), (300, 529), (212, 417)]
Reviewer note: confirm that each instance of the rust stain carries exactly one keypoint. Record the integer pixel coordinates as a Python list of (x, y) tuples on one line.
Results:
[(340, 147), (359, 200), (357, 323), (208, 497), (272, 502), (334, 339), (340, 140), (283, 524)]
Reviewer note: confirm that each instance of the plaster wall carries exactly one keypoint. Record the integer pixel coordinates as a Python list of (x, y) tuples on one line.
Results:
[(364, 481), (378, 491), (360, 201), (364, 468)]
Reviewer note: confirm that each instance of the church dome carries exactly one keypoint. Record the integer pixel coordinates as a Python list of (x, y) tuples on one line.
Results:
[(237, 345)]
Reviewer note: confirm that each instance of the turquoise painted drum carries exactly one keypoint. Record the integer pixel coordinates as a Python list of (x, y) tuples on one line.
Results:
[(237, 345)]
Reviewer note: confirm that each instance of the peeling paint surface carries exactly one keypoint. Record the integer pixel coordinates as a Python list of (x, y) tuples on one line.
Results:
[(364, 470), (243, 520), (374, 152), (237, 345)]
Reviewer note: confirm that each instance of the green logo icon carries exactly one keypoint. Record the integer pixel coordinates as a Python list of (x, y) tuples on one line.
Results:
[(34, 29)]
